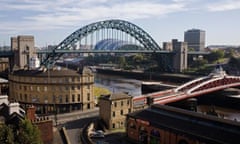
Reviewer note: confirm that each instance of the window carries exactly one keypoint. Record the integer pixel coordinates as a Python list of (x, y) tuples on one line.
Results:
[(25, 97), (45, 88), (127, 102), (115, 104), (73, 98), (121, 112), (20, 87), (66, 87), (66, 98), (88, 96), (73, 87), (113, 114), (121, 103), (20, 95), (78, 87), (78, 97), (25, 88), (113, 125), (154, 137), (27, 47), (60, 99)]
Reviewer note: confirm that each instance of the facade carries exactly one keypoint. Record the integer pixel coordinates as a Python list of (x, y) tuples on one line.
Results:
[(113, 109), (23, 47), (54, 90), (167, 46), (169, 125), (180, 54), (3, 65), (3, 86), (195, 39)]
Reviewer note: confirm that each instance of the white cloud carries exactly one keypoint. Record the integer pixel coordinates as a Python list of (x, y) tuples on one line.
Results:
[(45, 14), (225, 5)]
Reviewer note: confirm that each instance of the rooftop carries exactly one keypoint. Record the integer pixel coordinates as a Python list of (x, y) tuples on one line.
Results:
[(204, 127), (45, 73), (115, 96)]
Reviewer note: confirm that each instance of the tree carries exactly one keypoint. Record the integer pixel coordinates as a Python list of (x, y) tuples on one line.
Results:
[(28, 133), (6, 134), (215, 55), (122, 61), (199, 62), (138, 58)]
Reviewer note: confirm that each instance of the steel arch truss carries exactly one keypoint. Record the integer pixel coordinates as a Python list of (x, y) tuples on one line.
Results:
[(139, 34)]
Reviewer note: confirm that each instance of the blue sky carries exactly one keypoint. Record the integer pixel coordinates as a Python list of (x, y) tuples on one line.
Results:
[(50, 21)]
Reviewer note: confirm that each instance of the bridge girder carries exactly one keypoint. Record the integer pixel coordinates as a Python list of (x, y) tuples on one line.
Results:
[(138, 33)]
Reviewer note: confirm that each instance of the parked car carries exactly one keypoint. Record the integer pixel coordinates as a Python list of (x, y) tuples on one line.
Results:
[(96, 134)]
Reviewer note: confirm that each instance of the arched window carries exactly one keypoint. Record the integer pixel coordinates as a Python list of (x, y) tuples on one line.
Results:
[(143, 136), (155, 137)]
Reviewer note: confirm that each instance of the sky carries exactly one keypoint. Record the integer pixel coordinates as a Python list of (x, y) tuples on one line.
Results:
[(51, 21)]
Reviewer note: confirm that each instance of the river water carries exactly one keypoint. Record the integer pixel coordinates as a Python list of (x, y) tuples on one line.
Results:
[(119, 84), (133, 87)]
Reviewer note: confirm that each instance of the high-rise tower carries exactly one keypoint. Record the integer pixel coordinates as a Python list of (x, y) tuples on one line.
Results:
[(195, 39)]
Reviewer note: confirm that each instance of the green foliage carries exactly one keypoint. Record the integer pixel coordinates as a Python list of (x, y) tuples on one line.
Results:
[(28, 133), (215, 55), (234, 62), (122, 62), (198, 63), (138, 58), (6, 134)]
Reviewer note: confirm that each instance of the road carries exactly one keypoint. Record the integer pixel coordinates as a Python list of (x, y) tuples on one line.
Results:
[(74, 122), (67, 117)]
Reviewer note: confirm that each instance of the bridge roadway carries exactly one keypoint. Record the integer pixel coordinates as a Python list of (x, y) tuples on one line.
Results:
[(9, 53), (218, 80)]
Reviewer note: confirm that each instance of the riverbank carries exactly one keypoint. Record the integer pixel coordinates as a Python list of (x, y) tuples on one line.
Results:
[(147, 76)]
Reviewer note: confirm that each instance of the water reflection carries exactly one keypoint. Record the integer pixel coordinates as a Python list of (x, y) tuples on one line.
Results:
[(119, 84)]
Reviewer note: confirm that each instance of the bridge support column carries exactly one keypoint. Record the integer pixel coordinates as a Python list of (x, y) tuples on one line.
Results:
[(192, 104)]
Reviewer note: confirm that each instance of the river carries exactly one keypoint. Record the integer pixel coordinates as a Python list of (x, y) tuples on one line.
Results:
[(119, 84), (133, 87)]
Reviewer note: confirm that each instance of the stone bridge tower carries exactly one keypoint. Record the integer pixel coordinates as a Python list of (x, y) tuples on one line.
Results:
[(23, 47)]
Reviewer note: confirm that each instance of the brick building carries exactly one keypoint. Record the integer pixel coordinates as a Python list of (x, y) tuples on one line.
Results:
[(169, 125), (44, 124)]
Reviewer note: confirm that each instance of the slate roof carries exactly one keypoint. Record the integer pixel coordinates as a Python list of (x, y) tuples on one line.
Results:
[(209, 129), (116, 96), (52, 73)]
